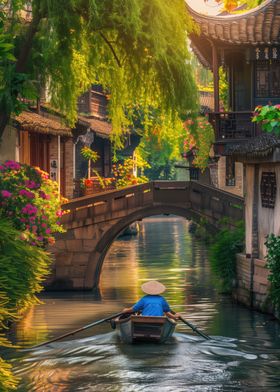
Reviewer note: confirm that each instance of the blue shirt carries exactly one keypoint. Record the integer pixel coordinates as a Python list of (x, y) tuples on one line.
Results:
[(151, 305)]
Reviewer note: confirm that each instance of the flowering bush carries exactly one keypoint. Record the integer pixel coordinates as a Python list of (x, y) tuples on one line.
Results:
[(31, 201), (269, 117), (200, 136), (123, 174)]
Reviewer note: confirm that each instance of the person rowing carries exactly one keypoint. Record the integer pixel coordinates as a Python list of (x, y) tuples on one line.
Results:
[(152, 304)]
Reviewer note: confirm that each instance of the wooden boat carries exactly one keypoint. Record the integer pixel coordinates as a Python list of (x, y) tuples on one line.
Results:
[(145, 328)]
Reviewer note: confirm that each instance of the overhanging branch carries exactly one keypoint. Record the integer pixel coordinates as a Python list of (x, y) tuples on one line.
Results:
[(111, 48)]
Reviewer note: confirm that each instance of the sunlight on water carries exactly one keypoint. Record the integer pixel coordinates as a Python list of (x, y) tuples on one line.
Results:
[(244, 354)]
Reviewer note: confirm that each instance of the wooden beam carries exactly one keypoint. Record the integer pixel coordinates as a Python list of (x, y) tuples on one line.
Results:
[(215, 69)]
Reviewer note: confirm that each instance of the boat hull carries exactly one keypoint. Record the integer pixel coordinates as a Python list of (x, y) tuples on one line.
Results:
[(145, 329)]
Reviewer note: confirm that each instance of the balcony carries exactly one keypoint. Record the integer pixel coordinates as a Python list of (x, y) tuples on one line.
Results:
[(232, 127)]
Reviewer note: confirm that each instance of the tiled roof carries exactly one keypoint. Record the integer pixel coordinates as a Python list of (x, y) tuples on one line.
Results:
[(101, 127), (262, 145), (260, 25), (34, 122)]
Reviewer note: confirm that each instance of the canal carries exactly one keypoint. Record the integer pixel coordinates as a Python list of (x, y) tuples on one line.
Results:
[(243, 356)]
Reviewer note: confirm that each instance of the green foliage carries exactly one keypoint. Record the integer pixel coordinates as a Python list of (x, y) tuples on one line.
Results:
[(123, 174), (89, 154), (273, 264), (8, 382), (223, 88), (22, 270), (135, 49), (31, 200), (199, 136), (161, 145), (269, 118), (223, 255)]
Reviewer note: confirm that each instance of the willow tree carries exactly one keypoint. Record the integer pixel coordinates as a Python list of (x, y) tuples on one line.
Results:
[(137, 50)]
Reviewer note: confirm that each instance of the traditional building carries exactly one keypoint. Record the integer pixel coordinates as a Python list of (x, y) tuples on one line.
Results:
[(41, 140), (248, 46), (94, 129)]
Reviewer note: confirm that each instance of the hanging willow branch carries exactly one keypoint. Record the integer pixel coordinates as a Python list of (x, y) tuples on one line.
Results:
[(111, 48)]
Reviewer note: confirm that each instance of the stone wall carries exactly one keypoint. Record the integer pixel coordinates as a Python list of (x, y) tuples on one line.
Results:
[(9, 145), (252, 285)]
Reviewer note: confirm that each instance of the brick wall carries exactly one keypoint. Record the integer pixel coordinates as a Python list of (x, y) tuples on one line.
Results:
[(69, 175), (252, 285)]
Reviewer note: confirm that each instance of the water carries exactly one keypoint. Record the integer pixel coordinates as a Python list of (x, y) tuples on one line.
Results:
[(243, 356)]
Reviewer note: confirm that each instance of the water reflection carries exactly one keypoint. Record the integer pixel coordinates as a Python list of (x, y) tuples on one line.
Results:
[(244, 354)]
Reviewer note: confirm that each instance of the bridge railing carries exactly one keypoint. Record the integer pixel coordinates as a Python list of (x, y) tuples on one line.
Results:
[(108, 202), (203, 200), (171, 192), (216, 203)]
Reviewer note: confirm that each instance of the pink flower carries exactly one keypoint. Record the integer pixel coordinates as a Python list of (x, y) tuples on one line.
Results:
[(6, 194), (12, 165), (43, 225), (31, 184), (34, 228), (2, 167), (25, 193), (29, 209), (40, 238), (48, 231), (59, 213)]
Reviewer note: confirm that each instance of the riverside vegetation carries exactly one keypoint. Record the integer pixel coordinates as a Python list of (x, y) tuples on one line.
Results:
[(29, 216)]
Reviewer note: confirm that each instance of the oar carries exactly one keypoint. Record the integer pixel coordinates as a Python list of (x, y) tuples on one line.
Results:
[(80, 329), (193, 327)]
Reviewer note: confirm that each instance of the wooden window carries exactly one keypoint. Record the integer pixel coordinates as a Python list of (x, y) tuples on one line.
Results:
[(268, 189), (262, 79), (267, 77), (230, 171), (275, 79)]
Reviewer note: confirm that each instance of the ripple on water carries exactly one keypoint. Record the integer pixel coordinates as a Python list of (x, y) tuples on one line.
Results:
[(243, 356)]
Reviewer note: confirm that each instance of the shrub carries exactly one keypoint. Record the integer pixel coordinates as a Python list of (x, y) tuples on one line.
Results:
[(22, 270), (223, 255), (31, 201), (273, 264), (123, 174)]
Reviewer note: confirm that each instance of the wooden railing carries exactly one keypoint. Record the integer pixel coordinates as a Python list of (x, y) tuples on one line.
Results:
[(230, 126), (204, 200)]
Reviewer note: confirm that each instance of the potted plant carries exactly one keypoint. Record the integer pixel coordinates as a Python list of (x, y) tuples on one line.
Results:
[(269, 118)]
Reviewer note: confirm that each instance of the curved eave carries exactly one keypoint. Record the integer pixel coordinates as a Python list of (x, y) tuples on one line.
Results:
[(260, 25)]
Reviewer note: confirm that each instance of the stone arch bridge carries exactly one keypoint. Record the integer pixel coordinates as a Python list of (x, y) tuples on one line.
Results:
[(93, 222)]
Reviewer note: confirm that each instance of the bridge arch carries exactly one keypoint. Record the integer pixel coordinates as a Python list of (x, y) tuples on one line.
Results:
[(97, 257), (93, 222)]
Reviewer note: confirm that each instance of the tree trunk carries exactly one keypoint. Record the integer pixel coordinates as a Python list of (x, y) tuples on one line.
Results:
[(21, 65)]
